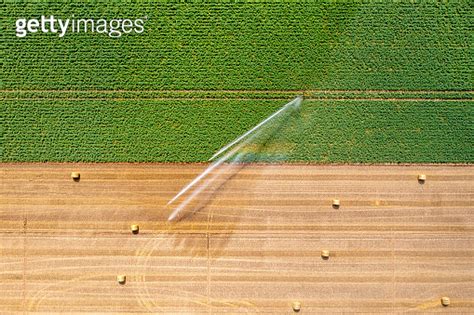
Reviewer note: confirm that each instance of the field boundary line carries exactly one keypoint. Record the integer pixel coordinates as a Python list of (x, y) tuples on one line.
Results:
[(262, 164)]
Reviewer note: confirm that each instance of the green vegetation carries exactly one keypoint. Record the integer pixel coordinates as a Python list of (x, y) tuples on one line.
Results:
[(191, 131), (384, 81), (381, 45), (380, 131), (210, 94)]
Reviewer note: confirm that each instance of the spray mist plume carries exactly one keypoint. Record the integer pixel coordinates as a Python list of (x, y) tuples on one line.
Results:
[(230, 159)]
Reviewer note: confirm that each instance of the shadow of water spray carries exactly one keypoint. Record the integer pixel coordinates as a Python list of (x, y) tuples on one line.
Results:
[(232, 158)]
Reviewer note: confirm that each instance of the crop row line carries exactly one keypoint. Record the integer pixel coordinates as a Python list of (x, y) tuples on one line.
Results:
[(219, 95), (245, 91), (241, 99)]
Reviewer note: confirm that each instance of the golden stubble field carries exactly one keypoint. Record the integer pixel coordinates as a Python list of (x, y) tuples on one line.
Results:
[(394, 244)]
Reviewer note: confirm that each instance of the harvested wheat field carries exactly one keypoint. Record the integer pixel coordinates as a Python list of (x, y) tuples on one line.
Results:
[(393, 244)]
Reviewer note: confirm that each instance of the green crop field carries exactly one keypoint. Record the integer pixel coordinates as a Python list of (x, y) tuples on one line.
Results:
[(385, 81), (328, 130)]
